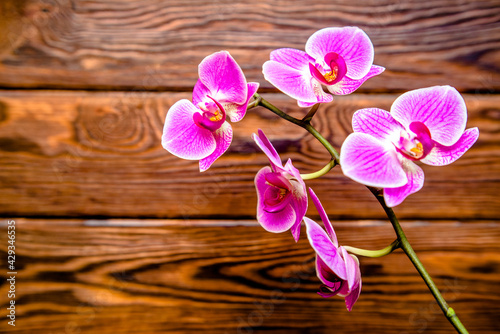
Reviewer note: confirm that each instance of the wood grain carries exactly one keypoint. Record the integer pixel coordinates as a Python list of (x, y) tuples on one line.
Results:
[(99, 154), (157, 45), (157, 276)]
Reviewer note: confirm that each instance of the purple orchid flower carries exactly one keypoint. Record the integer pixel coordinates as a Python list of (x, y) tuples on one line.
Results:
[(339, 58), (338, 271), (426, 125), (198, 130), (281, 192)]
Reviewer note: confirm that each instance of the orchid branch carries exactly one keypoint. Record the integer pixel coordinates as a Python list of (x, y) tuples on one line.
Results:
[(401, 241), (319, 173), (406, 247), (304, 123)]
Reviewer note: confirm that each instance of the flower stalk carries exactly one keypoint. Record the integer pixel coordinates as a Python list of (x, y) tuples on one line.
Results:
[(374, 253), (401, 241), (303, 124), (406, 247)]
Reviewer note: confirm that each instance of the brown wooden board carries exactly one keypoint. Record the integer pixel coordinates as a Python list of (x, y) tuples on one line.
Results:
[(99, 154), (156, 276), (157, 45)]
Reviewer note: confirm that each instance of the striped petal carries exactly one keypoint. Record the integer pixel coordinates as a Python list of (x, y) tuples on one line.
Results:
[(440, 108), (372, 162), (182, 137), (351, 43)]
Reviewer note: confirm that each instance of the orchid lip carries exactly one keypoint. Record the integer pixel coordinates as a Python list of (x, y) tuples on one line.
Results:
[(278, 194), (416, 145), (330, 291), (212, 117), (337, 72)]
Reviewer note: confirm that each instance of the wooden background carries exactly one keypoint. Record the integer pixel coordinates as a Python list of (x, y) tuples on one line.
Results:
[(115, 235)]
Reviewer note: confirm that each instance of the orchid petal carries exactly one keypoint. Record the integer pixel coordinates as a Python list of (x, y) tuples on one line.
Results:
[(235, 111), (296, 59), (200, 93), (326, 275), (325, 249), (348, 85), (441, 155), (369, 161), (299, 200), (223, 137), (303, 104), (295, 230), (275, 222), (324, 217), (351, 43), (351, 266), (269, 150), (440, 108), (415, 176), (353, 278), (377, 123), (220, 73), (299, 85), (182, 137)]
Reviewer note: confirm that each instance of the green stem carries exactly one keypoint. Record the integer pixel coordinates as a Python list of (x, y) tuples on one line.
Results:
[(403, 242), (406, 247), (374, 253), (303, 124), (255, 102), (311, 113), (319, 173)]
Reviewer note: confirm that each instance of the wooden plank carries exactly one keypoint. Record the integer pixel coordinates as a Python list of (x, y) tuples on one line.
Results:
[(156, 276), (99, 154), (151, 44)]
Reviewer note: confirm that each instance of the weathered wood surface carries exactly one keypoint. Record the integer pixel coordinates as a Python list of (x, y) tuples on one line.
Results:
[(151, 44), (99, 154), (156, 276), (95, 153)]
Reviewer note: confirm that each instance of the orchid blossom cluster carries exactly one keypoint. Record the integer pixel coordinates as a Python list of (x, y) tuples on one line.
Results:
[(426, 125)]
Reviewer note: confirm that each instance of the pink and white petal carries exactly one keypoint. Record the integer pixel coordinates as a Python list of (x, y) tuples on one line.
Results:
[(348, 85), (290, 168), (352, 269), (220, 73), (325, 249), (299, 197), (275, 222), (235, 111), (372, 162), (325, 274), (321, 95), (223, 137), (296, 84), (293, 58), (351, 43), (306, 104), (201, 93), (324, 217), (182, 137), (265, 145), (441, 108), (352, 298), (377, 123), (300, 206), (441, 155), (415, 175), (295, 229)]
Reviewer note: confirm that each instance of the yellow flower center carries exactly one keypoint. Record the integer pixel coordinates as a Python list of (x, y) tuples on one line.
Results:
[(418, 151), (332, 75), (217, 116)]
